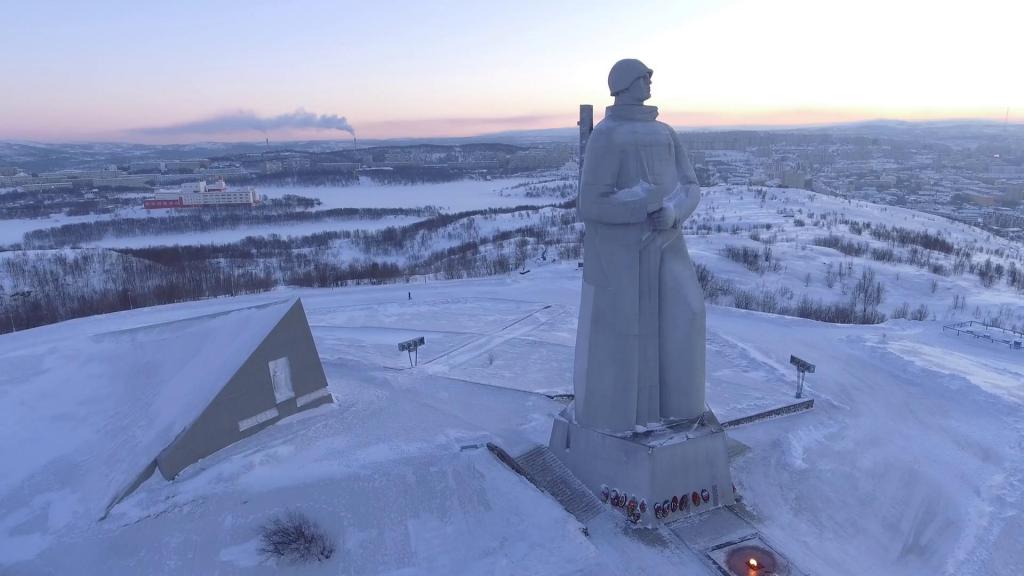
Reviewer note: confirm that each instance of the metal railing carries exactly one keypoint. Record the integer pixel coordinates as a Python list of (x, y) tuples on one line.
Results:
[(981, 331)]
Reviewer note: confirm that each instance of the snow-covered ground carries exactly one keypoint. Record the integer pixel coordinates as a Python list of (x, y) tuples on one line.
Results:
[(910, 463)]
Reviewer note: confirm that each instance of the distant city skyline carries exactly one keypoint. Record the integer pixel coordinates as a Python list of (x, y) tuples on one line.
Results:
[(115, 70)]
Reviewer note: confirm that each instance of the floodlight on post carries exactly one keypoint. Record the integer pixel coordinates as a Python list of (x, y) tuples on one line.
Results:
[(803, 367), (412, 347)]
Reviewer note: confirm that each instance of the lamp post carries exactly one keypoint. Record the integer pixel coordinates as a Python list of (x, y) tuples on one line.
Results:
[(412, 347), (802, 368)]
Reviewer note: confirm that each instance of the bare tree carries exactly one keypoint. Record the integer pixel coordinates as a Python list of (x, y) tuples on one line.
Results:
[(296, 538), (867, 294)]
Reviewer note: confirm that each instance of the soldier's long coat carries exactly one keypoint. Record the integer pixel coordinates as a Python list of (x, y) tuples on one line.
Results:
[(640, 346)]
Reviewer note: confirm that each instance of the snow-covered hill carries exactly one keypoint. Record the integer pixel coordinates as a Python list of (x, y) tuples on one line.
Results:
[(808, 244), (911, 461)]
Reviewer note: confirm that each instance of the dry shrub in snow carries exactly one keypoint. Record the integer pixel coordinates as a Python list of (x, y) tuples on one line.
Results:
[(296, 538)]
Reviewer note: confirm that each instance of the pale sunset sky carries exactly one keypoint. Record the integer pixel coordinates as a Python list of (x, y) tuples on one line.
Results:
[(139, 71)]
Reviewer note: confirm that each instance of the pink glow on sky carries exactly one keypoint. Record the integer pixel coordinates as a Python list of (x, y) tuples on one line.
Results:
[(107, 70)]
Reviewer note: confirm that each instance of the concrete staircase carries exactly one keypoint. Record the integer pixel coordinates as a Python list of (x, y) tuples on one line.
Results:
[(541, 467)]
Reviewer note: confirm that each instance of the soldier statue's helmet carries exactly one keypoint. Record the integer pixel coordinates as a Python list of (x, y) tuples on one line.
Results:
[(625, 72)]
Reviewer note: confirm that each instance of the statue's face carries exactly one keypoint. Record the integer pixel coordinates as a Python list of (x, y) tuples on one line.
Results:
[(639, 90)]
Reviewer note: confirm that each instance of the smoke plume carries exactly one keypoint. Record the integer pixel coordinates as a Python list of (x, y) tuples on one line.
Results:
[(243, 121)]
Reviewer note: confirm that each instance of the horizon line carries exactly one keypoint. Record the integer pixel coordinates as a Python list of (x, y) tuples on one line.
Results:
[(506, 133)]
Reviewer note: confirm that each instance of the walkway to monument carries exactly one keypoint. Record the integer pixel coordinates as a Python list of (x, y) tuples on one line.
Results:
[(527, 344), (520, 344), (467, 352)]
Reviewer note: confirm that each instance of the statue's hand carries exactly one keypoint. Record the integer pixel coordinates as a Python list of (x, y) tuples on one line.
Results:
[(639, 191), (664, 218)]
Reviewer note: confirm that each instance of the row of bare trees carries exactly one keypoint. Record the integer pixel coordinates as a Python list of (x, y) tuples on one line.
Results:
[(202, 221), (51, 286)]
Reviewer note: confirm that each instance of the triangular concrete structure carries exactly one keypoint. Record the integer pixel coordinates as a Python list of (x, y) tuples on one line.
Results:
[(282, 375), (96, 413), (234, 374), (208, 381)]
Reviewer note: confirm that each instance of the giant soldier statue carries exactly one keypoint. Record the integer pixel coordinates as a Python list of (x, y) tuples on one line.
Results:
[(640, 345), (639, 418)]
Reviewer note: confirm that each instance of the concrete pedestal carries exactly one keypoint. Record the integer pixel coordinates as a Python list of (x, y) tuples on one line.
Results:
[(652, 476)]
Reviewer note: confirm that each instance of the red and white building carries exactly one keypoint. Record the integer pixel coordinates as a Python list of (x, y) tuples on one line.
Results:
[(200, 194)]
